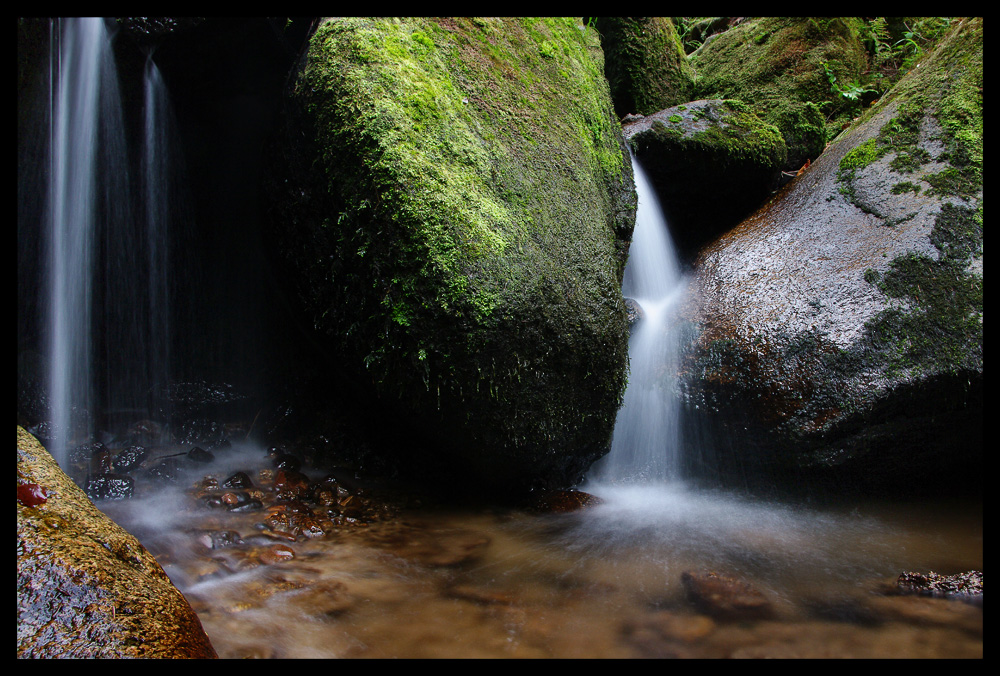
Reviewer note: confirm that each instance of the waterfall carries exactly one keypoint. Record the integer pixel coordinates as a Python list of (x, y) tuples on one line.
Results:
[(105, 291), (646, 443), (82, 145)]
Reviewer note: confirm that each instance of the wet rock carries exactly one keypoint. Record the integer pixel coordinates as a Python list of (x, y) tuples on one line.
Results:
[(840, 325), (564, 501), (238, 480), (695, 151), (198, 454), (724, 597), (290, 484), (85, 587), (167, 470), (129, 459), (80, 456), (934, 584), (146, 432), (287, 461), (531, 371), (249, 505), (100, 461), (109, 486), (220, 539), (276, 554), (633, 312), (663, 634)]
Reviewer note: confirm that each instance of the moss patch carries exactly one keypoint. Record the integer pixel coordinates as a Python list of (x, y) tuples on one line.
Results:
[(781, 66), (940, 327), (645, 64), (470, 228)]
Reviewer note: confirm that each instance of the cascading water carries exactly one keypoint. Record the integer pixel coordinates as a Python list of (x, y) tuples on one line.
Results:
[(646, 442), (82, 148), (105, 273)]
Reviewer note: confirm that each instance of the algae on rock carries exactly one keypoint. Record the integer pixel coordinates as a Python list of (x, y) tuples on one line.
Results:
[(782, 67), (844, 318), (645, 63), (455, 206)]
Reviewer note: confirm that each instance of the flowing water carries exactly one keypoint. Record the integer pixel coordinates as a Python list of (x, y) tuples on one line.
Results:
[(646, 442), (105, 279), (404, 579), (601, 582), (604, 582)]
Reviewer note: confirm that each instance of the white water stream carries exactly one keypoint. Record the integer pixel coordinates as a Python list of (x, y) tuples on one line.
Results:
[(646, 444)]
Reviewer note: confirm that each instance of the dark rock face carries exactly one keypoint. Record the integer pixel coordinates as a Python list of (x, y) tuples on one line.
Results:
[(460, 236), (842, 322), (644, 63), (711, 162), (85, 587)]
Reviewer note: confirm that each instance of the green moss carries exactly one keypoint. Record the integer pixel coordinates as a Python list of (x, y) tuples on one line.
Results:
[(645, 64), (783, 77), (947, 86), (675, 118), (481, 190), (905, 187), (941, 326), (862, 155)]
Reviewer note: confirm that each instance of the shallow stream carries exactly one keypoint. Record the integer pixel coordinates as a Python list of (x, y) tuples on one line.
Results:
[(411, 581)]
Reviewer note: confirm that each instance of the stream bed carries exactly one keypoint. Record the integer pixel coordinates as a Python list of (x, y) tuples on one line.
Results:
[(312, 563)]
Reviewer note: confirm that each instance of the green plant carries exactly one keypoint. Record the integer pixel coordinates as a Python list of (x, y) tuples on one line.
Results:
[(852, 91)]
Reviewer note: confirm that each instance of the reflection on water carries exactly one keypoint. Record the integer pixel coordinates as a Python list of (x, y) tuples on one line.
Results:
[(601, 582)]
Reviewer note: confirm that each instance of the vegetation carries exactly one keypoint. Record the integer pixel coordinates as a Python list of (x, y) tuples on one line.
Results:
[(469, 225)]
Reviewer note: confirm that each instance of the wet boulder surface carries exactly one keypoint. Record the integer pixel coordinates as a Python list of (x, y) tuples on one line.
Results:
[(694, 153), (452, 201), (85, 587), (839, 328)]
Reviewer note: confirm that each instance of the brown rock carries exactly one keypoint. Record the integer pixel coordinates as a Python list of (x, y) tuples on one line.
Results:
[(85, 587), (725, 597)]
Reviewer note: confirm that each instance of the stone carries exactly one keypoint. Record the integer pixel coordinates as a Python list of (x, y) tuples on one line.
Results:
[(725, 597), (465, 258), (696, 151), (838, 329), (85, 587), (935, 584)]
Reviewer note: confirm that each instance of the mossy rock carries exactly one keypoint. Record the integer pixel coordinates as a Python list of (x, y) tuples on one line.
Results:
[(698, 151), (645, 63), (781, 66), (454, 202), (85, 587), (842, 323)]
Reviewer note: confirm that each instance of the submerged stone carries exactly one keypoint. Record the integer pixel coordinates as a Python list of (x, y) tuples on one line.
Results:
[(725, 597), (935, 584)]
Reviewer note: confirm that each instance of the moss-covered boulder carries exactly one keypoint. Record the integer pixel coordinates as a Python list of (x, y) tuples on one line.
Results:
[(85, 587), (842, 323), (454, 203), (796, 72), (711, 163), (645, 63)]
